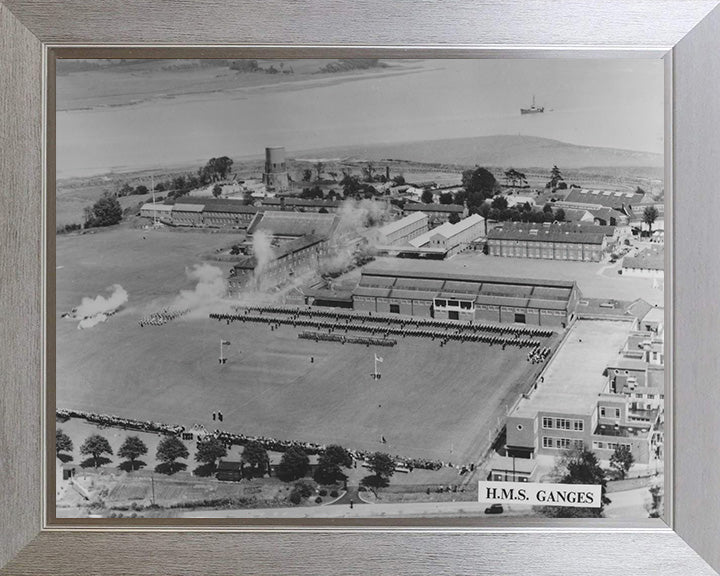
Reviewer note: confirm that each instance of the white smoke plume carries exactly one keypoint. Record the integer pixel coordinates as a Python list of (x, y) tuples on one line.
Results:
[(263, 252), (209, 291), (358, 217), (92, 311), (92, 321), (362, 219)]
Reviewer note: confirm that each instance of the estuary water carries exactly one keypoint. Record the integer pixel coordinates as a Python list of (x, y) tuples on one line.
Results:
[(608, 103)]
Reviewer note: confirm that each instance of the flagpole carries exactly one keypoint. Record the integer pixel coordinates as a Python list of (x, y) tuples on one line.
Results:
[(221, 347)]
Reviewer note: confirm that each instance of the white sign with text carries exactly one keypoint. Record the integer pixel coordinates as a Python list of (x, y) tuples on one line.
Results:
[(540, 494)]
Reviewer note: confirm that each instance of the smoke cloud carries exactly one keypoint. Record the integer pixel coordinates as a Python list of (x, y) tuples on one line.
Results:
[(92, 311), (92, 321), (263, 252), (360, 216), (209, 291)]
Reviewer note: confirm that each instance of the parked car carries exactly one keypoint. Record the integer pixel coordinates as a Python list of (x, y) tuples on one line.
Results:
[(494, 509)]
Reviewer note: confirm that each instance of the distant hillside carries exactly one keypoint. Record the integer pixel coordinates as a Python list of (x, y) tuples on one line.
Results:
[(516, 151)]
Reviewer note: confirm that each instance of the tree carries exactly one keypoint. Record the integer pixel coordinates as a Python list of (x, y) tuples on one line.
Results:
[(255, 455), (578, 466), (307, 175), (319, 168), (479, 180), (383, 467), (95, 446), (649, 216), (512, 177), (555, 177), (560, 215), (622, 460), (217, 191), (656, 504), (499, 203), (62, 442), (398, 180), (329, 466), (209, 450), (223, 166), (446, 198), (294, 464), (170, 449), (454, 218), (548, 207), (140, 190), (426, 197), (484, 211), (132, 449), (105, 212), (479, 184), (125, 190), (351, 185), (215, 169)]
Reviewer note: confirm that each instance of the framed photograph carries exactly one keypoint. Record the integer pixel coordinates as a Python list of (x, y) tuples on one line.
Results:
[(416, 297)]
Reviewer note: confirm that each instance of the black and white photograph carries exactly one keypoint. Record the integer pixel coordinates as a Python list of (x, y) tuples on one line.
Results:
[(294, 289)]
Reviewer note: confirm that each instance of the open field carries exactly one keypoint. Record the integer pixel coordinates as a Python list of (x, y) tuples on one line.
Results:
[(149, 264), (431, 402)]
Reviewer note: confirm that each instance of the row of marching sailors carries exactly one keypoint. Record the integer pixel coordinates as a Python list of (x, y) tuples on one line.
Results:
[(295, 312), (162, 317), (385, 331), (366, 340)]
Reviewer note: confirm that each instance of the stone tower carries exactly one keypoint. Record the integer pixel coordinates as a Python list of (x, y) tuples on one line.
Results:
[(275, 176)]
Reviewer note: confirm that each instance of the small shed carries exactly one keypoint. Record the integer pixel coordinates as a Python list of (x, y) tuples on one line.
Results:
[(229, 471)]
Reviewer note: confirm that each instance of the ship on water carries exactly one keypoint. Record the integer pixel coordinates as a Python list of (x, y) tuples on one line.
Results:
[(533, 109)]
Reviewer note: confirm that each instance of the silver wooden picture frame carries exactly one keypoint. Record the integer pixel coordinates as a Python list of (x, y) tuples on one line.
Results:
[(682, 33)]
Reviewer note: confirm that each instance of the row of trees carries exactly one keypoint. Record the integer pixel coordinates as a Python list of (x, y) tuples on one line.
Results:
[(577, 466), (294, 464)]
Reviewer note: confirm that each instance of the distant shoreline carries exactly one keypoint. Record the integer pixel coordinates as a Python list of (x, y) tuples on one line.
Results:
[(507, 151), (227, 86)]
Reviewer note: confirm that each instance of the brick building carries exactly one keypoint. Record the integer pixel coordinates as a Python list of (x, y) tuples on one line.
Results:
[(557, 241), (445, 291)]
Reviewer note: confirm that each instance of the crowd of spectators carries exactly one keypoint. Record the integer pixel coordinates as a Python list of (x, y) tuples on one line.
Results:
[(109, 420)]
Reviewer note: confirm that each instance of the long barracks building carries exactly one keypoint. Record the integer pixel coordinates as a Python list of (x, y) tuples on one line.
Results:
[(446, 291)]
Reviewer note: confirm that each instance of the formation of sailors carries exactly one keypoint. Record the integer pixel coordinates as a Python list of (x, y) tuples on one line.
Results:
[(383, 329), (538, 355), (162, 317), (359, 317), (110, 420), (343, 339)]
